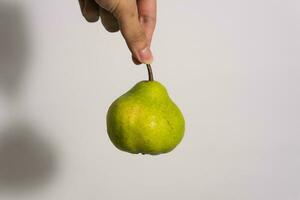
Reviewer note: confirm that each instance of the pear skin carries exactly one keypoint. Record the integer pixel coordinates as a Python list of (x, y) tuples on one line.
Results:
[(145, 120)]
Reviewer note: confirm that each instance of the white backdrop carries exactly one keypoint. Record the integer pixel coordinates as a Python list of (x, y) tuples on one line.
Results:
[(232, 66)]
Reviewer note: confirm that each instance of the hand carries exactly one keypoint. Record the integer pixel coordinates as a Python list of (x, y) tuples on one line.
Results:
[(135, 18)]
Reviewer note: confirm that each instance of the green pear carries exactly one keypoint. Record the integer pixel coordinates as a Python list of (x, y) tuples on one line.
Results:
[(145, 120)]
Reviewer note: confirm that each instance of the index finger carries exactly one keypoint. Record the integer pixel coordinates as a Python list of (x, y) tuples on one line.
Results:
[(147, 16), (127, 15)]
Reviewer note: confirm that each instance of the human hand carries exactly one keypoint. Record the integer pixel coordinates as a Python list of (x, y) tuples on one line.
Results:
[(135, 18)]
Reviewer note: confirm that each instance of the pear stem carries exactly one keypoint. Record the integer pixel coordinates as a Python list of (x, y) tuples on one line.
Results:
[(150, 74)]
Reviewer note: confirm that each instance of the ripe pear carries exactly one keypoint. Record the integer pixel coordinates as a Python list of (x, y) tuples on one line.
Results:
[(145, 120)]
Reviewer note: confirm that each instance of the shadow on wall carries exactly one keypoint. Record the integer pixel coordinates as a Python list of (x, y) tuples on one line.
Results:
[(13, 47), (27, 160)]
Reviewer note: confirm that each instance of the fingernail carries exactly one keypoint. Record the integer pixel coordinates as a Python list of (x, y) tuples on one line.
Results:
[(145, 56)]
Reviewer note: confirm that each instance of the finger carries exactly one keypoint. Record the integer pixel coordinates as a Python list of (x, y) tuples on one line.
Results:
[(91, 11), (127, 15), (109, 5), (82, 3), (135, 61), (147, 16), (109, 22)]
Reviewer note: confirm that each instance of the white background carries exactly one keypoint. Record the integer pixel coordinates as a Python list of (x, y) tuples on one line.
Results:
[(233, 67)]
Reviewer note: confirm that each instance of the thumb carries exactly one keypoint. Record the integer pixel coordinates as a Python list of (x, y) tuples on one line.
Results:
[(127, 15)]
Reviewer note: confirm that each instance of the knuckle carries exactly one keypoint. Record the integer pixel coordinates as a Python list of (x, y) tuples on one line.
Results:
[(148, 19), (137, 38), (123, 10), (109, 5), (92, 18), (110, 27)]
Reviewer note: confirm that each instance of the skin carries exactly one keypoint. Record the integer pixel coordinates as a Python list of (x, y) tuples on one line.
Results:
[(136, 19), (145, 120)]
